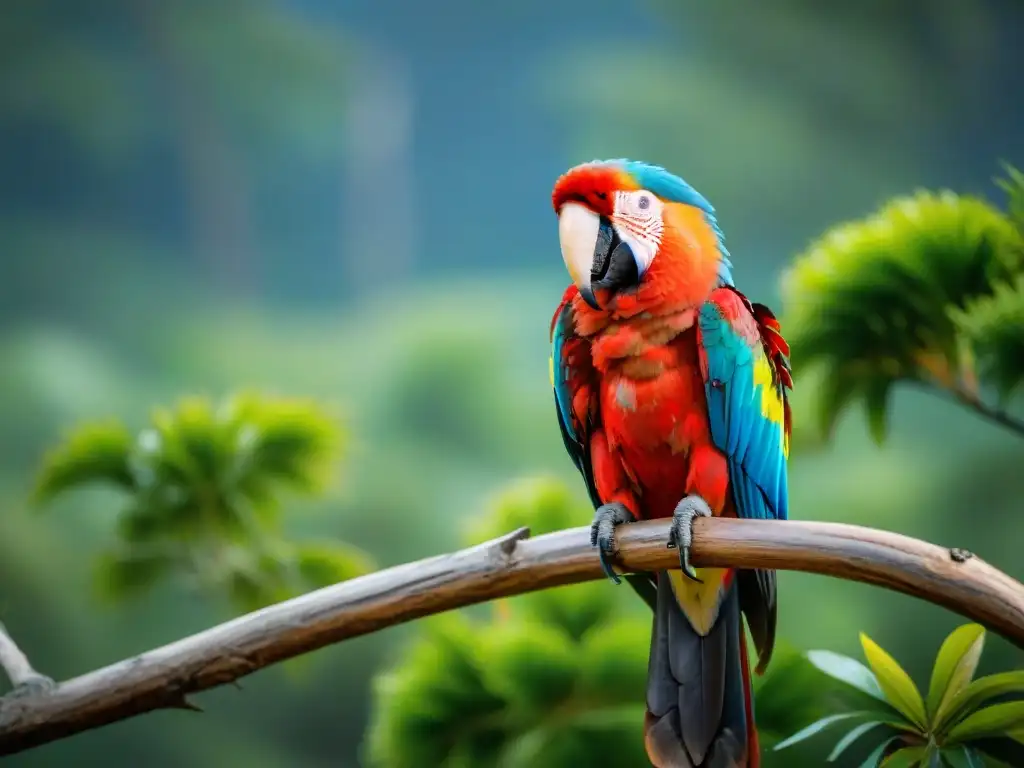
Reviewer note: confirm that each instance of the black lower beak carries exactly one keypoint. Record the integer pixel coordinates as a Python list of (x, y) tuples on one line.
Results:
[(587, 294), (614, 268)]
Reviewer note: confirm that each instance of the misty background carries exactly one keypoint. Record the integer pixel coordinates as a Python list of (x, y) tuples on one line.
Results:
[(351, 200)]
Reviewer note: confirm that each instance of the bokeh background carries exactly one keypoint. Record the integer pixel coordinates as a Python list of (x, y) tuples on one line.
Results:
[(350, 200)]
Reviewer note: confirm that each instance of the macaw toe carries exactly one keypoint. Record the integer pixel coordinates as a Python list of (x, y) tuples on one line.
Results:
[(607, 518), (681, 532)]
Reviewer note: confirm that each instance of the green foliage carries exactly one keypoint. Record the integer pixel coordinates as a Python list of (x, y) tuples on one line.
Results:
[(926, 290), (961, 721), (554, 678), (203, 483), (542, 504), (516, 691), (994, 328)]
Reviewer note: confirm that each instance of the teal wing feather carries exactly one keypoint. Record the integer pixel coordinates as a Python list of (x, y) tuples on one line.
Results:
[(571, 369), (746, 376)]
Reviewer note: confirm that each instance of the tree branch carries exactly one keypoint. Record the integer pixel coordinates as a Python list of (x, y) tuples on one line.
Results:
[(162, 678), (974, 403), (15, 663)]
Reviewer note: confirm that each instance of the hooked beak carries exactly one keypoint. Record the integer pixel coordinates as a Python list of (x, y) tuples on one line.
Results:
[(593, 253)]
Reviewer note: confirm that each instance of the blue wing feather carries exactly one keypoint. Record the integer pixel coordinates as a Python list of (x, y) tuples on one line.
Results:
[(559, 374), (748, 412), (750, 433)]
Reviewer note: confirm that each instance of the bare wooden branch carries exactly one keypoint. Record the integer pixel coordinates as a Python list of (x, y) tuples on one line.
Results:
[(164, 677), (16, 665)]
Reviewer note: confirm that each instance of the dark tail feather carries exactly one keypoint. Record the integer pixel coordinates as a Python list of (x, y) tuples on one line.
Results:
[(697, 711)]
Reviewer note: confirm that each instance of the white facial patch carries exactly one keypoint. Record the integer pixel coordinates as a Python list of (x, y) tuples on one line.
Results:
[(638, 220)]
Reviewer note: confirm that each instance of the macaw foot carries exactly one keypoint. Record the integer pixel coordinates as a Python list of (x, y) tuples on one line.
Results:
[(681, 533), (32, 685), (607, 518)]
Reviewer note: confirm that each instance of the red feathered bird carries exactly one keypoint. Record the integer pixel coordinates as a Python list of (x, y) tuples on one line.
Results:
[(671, 393)]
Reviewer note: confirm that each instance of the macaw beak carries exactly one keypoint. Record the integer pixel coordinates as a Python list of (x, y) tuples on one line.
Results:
[(593, 253), (578, 227)]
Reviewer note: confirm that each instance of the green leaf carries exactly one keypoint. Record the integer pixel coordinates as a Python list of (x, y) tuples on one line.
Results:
[(793, 692), (854, 733), (575, 609), (876, 402), (932, 757), (613, 661), (954, 667), (875, 758), (963, 756), (817, 727), (92, 453), (1013, 185), (294, 441), (531, 665), (434, 704), (978, 692), (904, 758), (996, 720), (847, 670), (993, 326), (899, 689)]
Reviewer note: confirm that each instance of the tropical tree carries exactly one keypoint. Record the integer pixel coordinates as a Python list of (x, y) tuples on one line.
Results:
[(201, 487), (928, 291)]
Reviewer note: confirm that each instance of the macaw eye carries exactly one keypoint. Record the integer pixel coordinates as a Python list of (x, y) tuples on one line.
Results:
[(638, 204)]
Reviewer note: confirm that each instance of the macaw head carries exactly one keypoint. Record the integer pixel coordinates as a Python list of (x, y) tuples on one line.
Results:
[(625, 225)]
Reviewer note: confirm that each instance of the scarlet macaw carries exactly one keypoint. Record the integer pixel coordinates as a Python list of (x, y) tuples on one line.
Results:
[(671, 393)]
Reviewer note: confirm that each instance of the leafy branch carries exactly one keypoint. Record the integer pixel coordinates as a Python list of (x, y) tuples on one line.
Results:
[(960, 720), (166, 676), (929, 291), (201, 487)]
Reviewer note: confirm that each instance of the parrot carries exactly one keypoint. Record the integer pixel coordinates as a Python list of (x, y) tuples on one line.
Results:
[(672, 394)]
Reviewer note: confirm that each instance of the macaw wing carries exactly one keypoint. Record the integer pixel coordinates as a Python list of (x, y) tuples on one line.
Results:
[(574, 381), (746, 377)]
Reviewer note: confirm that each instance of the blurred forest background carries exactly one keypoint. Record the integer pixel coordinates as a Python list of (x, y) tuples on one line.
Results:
[(350, 201)]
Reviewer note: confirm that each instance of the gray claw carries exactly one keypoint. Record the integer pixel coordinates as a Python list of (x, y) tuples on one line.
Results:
[(602, 533), (33, 685), (681, 533)]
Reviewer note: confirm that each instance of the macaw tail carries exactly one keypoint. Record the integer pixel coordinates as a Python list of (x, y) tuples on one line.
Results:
[(700, 712)]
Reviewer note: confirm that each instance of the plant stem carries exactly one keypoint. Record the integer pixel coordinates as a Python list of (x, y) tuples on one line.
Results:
[(988, 412)]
